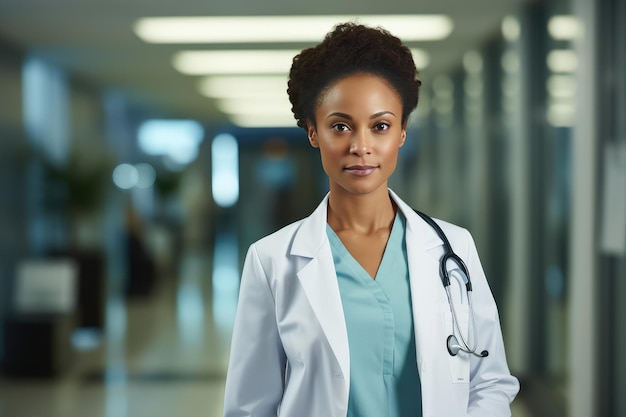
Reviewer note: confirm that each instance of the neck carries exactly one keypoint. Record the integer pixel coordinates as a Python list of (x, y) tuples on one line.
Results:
[(362, 213)]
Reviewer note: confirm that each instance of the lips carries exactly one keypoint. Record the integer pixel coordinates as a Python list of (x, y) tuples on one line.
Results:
[(360, 170)]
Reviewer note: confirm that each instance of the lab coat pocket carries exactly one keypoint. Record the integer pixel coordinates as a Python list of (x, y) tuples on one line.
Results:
[(459, 364)]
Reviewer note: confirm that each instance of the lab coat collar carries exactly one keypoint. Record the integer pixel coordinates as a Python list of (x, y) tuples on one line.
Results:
[(312, 233), (421, 233)]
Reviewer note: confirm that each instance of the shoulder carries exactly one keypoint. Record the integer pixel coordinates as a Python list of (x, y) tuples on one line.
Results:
[(420, 225), (278, 242), (453, 231), (303, 237), (459, 237)]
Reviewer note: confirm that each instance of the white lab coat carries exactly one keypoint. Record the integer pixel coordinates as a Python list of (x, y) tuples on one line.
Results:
[(289, 353)]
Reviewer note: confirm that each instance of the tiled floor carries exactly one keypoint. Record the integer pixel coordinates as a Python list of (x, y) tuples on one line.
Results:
[(163, 356)]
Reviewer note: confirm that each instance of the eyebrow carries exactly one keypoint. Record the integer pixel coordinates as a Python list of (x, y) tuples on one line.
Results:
[(347, 116)]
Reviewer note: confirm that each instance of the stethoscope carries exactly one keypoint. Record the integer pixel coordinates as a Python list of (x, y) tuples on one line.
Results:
[(452, 342)]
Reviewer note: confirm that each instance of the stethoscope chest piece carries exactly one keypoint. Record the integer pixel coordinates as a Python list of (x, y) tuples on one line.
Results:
[(452, 343)]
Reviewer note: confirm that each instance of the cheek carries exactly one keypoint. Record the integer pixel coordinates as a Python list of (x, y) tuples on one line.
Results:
[(331, 150), (329, 156), (390, 152)]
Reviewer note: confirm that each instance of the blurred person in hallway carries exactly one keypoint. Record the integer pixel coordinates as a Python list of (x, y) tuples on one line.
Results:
[(141, 267), (344, 313)]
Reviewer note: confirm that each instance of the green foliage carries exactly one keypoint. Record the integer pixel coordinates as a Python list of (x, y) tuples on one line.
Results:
[(77, 186)]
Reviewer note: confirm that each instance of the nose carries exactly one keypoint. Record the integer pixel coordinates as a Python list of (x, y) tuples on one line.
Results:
[(361, 143)]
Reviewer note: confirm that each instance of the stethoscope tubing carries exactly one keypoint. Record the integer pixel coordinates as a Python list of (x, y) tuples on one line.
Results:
[(464, 344), (449, 255)]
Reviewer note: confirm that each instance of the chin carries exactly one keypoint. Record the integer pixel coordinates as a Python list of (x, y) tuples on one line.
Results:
[(362, 189)]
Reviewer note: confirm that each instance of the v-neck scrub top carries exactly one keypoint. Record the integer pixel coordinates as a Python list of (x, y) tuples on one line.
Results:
[(384, 380)]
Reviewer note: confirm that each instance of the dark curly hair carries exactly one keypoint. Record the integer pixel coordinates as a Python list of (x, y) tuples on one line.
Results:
[(349, 49)]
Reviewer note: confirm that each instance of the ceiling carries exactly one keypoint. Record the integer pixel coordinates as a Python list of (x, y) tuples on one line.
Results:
[(95, 42)]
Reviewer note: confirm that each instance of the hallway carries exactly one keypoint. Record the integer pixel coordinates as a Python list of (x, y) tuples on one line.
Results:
[(165, 355)]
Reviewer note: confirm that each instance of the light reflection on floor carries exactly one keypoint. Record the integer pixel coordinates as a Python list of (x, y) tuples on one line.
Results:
[(225, 281), (190, 310), (116, 388)]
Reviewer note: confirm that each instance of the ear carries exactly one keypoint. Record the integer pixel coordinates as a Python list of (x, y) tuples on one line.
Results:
[(403, 137), (312, 134)]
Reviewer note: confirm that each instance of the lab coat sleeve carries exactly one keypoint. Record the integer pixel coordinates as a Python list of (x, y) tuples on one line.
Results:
[(254, 381), (492, 387)]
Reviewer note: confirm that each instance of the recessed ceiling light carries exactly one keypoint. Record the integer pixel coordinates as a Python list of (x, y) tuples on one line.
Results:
[(253, 29), (561, 86), (275, 120), (257, 106), (243, 86), (561, 114), (565, 27), (562, 60), (275, 61), (510, 28), (421, 58), (234, 62)]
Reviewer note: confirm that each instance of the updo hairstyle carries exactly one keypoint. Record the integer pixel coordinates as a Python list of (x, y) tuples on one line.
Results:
[(350, 49)]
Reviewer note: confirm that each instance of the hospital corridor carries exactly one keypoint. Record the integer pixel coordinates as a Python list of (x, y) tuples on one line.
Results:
[(145, 146)]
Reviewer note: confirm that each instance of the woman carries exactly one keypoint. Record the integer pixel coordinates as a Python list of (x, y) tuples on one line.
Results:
[(344, 312)]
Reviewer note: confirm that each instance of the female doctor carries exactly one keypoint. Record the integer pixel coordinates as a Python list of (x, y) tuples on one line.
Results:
[(344, 313)]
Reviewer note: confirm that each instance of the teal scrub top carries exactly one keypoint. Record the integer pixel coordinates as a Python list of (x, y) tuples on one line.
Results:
[(384, 380)]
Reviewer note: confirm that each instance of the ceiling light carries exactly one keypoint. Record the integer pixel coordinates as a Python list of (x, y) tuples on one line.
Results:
[(561, 114), (275, 120), (421, 58), (234, 62), (510, 28), (274, 61), (243, 86), (510, 62), (562, 86), (258, 112), (253, 29), (565, 27), (473, 62), (562, 60), (260, 105)]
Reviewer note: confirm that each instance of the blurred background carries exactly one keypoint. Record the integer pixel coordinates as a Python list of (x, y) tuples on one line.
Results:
[(145, 145)]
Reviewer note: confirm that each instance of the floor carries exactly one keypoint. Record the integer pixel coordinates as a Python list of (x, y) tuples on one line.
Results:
[(163, 356)]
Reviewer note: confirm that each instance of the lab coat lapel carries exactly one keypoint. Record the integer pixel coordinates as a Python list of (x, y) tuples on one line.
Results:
[(319, 281), (423, 246)]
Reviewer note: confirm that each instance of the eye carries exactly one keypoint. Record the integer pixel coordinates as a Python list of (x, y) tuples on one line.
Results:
[(340, 127), (381, 127)]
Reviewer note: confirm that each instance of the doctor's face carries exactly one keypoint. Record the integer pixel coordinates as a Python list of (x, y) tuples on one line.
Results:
[(358, 130)]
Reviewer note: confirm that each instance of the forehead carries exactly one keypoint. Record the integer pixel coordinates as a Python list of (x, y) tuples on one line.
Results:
[(358, 88)]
